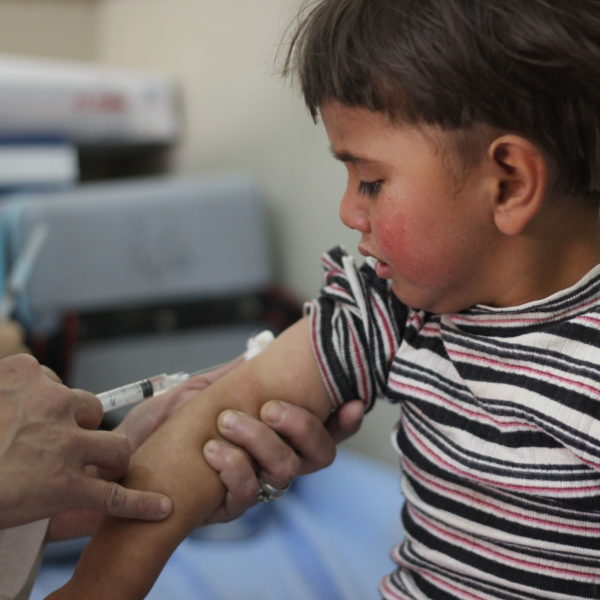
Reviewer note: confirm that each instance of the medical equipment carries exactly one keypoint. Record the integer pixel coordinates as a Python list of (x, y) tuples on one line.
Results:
[(153, 386), (138, 390)]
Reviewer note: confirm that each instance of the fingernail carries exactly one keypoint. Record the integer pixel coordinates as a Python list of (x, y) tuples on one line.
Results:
[(274, 412), (165, 506), (212, 447), (228, 419)]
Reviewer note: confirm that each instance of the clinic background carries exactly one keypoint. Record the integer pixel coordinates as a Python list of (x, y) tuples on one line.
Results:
[(238, 115)]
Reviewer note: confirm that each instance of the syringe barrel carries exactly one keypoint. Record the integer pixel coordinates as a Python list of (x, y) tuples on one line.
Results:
[(128, 394), (138, 390)]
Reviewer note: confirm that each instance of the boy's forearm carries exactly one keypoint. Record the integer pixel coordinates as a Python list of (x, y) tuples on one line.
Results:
[(130, 554)]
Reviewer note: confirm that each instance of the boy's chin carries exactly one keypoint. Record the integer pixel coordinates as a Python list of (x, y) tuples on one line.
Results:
[(430, 303)]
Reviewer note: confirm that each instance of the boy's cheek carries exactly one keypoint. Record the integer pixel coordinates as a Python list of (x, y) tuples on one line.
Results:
[(405, 251)]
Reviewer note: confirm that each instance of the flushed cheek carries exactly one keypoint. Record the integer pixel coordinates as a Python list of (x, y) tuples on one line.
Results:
[(408, 250)]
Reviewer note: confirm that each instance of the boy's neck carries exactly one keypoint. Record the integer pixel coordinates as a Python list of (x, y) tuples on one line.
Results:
[(554, 254)]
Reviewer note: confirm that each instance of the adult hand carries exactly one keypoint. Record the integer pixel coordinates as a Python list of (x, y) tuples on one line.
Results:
[(47, 442), (286, 442)]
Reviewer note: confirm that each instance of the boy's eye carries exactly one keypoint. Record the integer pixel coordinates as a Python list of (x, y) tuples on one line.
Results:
[(370, 188)]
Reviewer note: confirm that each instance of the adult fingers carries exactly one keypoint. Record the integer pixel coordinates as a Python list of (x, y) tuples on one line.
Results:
[(303, 431), (107, 450), (50, 374), (236, 471), (84, 406), (277, 460), (113, 499), (346, 421), (87, 409)]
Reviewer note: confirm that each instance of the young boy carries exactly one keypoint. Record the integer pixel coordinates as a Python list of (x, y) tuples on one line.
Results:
[(471, 134)]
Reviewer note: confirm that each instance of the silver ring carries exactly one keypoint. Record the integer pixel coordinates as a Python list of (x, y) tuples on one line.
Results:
[(269, 492)]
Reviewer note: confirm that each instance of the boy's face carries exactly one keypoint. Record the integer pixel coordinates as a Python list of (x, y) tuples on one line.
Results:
[(434, 241)]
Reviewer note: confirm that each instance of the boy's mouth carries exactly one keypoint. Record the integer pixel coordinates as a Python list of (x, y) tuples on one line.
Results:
[(381, 268)]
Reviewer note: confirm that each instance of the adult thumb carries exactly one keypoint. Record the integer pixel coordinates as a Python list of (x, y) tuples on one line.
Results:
[(346, 421)]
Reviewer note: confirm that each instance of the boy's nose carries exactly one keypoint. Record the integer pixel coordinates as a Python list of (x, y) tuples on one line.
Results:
[(353, 213)]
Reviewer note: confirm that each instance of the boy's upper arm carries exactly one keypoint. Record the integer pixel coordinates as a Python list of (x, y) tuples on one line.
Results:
[(288, 371)]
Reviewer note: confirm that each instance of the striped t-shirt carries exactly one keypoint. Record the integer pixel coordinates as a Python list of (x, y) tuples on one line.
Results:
[(499, 433)]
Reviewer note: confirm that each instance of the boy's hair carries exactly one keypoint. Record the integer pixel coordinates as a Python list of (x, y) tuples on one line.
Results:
[(530, 67)]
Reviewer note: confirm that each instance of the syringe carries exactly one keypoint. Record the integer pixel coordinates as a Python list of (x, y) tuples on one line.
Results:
[(152, 386), (138, 390)]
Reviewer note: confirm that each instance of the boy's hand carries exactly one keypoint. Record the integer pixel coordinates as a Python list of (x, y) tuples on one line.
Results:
[(288, 441)]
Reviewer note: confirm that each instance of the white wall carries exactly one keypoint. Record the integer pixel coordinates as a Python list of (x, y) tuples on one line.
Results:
[(57, 28), (240, 115)]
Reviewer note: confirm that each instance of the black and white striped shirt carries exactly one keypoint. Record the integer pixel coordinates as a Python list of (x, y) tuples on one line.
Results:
[(499, 433)]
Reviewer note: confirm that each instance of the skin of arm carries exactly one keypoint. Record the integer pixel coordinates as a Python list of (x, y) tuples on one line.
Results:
[(125, 557)]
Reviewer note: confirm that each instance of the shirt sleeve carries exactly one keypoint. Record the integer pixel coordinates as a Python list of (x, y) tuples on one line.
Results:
[(356, 326)]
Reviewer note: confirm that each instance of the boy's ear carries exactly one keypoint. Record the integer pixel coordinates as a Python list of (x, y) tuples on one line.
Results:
[(521, 176)]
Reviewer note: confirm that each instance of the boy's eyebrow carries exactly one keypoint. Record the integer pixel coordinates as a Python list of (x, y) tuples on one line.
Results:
[(348, 157)]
